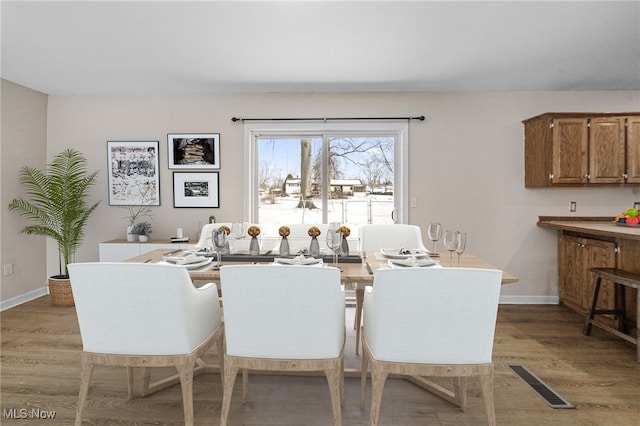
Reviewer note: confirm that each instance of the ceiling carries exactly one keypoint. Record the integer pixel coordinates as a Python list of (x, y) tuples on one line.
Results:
[(110, 47)]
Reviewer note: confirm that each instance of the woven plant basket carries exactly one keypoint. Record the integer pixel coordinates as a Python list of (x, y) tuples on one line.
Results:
[(60, 291)]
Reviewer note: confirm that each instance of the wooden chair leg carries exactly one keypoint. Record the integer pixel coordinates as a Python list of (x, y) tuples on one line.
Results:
[(358, 317), (86, 369), (378, 378), (333, 379), (186, 383), (486, 383), (145, 381), (245, 385), (592, 307), (221, 350), (230, 373), (460, 392), (130, 390), (363, 374)]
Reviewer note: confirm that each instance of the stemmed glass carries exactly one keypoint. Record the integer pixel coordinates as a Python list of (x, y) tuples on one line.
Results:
[(334, 241), (219, 238), (450, 243), (461, 243), (435, 233)]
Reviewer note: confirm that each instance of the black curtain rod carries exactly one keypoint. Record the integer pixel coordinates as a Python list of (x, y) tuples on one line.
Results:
[(419, 118)]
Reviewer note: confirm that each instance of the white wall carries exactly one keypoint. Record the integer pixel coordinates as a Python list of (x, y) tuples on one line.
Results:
[(466, 163), (24, 133)]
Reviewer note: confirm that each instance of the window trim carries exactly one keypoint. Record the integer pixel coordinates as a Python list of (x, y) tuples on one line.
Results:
[(400, 130)]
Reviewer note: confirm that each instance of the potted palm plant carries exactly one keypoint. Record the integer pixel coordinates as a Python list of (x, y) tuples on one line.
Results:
[(56, 207)]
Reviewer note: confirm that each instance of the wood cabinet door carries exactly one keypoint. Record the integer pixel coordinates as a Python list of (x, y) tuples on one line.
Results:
[(575, 284), (607, 150), (569, 271), (599, 254), (633, 150), (570, 150)]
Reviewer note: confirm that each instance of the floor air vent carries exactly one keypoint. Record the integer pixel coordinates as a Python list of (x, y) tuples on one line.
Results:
[(541, 388)]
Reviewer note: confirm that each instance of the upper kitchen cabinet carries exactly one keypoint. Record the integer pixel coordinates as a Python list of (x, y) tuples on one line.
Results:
[(582, 149)]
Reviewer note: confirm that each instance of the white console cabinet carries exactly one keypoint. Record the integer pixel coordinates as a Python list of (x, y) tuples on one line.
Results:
[(119, 250)]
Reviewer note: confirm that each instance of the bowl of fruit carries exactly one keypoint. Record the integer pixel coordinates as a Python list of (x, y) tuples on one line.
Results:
[(628, 218)]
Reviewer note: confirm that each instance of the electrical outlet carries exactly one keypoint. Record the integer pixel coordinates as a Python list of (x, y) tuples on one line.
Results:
[(414, 202), (636, 205), (7, 269), (572, 206)]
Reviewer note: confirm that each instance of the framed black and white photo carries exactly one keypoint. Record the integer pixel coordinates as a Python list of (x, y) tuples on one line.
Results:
[(194, 151), (134, 175), (200, 189)]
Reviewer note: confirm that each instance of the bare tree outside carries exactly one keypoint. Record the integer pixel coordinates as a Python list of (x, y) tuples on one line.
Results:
[(360, 181)]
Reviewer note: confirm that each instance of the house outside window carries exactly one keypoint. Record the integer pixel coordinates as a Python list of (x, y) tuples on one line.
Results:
[(352, 173)]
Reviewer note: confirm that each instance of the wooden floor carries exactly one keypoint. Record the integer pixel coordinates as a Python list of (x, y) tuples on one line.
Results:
[(40, 353)]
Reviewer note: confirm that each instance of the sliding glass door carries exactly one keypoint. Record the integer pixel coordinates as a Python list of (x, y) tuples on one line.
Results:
[(322, 174)]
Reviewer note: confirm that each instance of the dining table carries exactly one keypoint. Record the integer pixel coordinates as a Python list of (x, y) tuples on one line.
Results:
[(357, 271)]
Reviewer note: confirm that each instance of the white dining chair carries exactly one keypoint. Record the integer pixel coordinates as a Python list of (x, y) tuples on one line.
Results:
[(144, 315), (447, 318), (283, 318), (372, 238), (299, 238)]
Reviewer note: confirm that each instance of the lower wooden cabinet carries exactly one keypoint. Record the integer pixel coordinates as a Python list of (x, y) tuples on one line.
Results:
[(576, 256)]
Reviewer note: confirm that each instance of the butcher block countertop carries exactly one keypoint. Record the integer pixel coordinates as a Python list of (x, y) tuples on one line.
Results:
[(603, 226)]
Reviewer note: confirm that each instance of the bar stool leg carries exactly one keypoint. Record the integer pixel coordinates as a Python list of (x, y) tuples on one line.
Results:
[(592, 308), (620, 301)]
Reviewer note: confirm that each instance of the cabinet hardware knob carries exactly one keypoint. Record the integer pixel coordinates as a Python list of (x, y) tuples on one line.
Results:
[(587, 176), (625, 176), (551, 176)]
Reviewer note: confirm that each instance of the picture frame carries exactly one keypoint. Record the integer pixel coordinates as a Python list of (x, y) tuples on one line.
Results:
[(134, 173), (193, 150), (197, 189)]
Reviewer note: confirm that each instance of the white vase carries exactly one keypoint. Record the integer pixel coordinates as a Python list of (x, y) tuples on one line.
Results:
[(130, 237), (143, 238)]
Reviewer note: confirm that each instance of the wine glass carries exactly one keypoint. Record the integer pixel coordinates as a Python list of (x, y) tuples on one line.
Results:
[(334, 241), (461, 243), (219, 238), (435, 233), (450, 239)]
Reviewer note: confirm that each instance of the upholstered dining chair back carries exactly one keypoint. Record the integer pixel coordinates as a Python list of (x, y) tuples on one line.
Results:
[(139, 315), (374, 237), (428, 315), (283, 311), (428, 322), (299, 237), (135, 308), (205, 240), (283, 318)]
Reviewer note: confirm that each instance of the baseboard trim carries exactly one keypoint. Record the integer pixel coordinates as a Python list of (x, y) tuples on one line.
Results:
[(529, 300), (23, 298)]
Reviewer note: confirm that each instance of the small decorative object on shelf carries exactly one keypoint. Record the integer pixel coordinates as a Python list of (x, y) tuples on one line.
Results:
[(142, 230), (344, 248), (254, 247), (314, 247), (284, 232)]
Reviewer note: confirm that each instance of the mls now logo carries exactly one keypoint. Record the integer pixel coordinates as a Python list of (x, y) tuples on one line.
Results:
[(24, 413)]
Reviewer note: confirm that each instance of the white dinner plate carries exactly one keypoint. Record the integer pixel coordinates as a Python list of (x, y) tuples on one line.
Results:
[(196, 265), (298, 260), (421, 262), (401, 253)]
